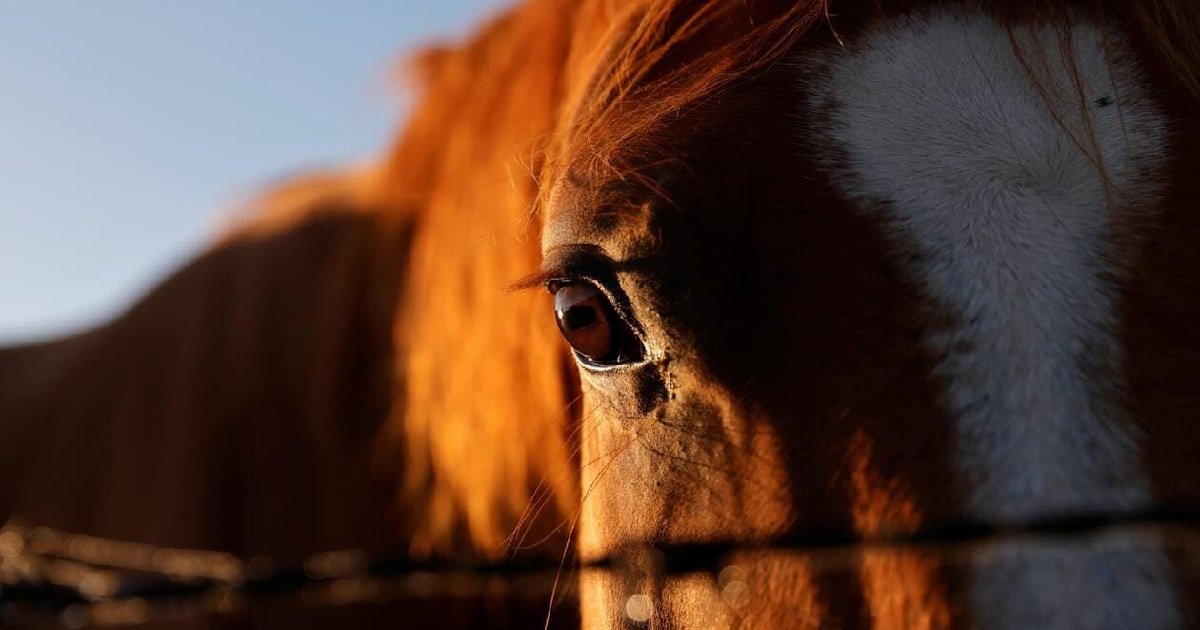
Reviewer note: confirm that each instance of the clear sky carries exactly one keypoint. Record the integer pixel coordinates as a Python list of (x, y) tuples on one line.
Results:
[(127, 127)]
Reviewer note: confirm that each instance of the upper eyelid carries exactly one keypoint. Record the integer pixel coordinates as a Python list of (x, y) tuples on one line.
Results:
[(576, 259), (569, 262)]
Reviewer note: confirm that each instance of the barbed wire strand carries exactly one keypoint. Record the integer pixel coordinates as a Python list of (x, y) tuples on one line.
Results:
[(87, 580)]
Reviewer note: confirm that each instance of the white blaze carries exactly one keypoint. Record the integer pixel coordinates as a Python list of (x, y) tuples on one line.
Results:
[(934, 124)]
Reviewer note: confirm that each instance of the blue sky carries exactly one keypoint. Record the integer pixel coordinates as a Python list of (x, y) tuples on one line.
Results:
[(127, 127)]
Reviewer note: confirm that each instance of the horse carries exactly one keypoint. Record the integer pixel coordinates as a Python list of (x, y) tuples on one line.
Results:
[(865, 267)]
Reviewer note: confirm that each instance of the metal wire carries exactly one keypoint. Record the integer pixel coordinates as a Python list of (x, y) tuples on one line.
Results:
[(82, 580)]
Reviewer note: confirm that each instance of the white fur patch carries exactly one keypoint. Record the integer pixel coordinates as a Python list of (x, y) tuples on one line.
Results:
[(934, 123)]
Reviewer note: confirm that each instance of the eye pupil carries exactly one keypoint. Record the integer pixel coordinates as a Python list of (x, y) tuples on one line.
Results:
[(578, 317)]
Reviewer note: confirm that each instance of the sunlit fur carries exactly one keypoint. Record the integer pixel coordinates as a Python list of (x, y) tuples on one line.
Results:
[(483, 416), (462, 428)]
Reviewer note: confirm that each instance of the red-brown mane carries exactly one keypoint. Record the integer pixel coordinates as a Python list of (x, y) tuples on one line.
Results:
[(483, 409)]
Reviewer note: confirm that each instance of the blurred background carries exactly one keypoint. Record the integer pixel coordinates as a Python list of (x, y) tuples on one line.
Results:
[(128, 129)]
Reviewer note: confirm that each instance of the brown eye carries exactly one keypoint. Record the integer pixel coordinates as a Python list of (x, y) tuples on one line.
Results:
[(587, 321)]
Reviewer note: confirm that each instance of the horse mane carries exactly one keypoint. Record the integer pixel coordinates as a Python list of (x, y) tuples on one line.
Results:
[(478, 433)]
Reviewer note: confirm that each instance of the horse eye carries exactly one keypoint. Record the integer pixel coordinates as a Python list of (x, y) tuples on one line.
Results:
[(591, 326)]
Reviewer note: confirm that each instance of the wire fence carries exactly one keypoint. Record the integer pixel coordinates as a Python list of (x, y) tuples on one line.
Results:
[(60, 578)]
